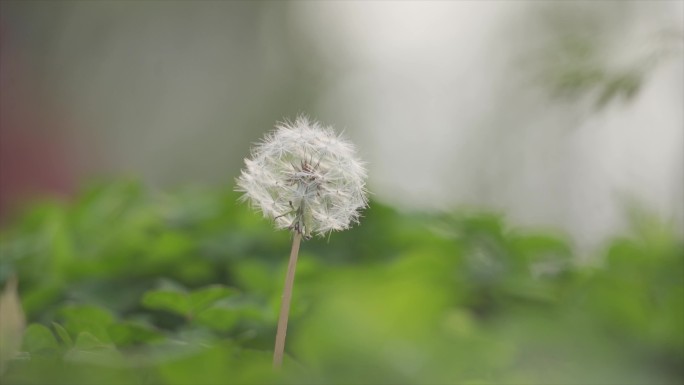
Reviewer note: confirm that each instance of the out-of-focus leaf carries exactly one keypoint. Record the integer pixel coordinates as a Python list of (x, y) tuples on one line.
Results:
[(131, 333), (201, 299), (219, 317), (86, 341), (38, 338), (173, 301), (63, 334), (93, 319), (184, 303), (464, 297), (89, 349)]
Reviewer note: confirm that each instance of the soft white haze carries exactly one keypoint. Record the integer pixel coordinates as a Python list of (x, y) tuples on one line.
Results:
[(441, 94), (449, 102)]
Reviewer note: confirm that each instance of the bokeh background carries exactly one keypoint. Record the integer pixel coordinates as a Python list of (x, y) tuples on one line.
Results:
[(560, 120), (553, 112)]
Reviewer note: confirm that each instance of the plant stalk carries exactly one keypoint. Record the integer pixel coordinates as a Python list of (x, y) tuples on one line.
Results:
[(285, 304)]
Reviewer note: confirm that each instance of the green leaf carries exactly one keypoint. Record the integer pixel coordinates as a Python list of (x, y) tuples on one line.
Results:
[(186, 304), (63, 334), (219, 318), (38, 338), (86, 341), (172, 301), (87, 314), (203, 298), (93, 319), (129, 333), (89, 349)]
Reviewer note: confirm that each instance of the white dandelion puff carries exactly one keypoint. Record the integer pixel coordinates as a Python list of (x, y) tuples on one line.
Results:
[(305, 178)]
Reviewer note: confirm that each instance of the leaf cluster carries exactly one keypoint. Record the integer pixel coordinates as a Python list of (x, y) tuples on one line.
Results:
[(127, 286)]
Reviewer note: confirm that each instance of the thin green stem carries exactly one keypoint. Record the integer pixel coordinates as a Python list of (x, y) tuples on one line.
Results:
[(285, 304)]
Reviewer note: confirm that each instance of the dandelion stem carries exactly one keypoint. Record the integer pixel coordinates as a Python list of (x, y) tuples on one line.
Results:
[(285, 304)]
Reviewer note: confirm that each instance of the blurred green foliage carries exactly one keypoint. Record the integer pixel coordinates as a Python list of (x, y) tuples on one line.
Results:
[(577, 47), (125, 286)]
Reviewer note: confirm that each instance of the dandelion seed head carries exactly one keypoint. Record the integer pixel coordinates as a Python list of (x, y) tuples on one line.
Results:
[(305, 178)]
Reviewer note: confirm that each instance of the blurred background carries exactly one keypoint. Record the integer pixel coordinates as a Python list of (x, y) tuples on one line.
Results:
[(557, 113), (526, 166)]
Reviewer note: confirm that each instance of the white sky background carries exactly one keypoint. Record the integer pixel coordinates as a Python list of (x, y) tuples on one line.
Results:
[(437, 93)]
